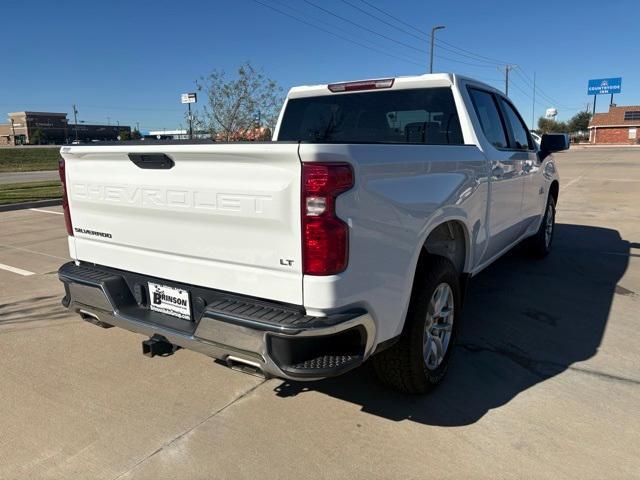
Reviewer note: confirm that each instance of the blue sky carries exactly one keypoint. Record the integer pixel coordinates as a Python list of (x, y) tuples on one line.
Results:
[(129, 60)]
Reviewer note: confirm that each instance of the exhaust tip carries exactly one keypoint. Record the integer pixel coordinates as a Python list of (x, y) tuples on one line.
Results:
[(245, 366), (93, 319)]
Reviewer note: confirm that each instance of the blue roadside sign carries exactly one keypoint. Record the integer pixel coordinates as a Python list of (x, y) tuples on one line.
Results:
[(605, 86)]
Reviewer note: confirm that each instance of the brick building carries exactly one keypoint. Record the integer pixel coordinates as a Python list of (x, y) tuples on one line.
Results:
[(36, 128), (620, 125)]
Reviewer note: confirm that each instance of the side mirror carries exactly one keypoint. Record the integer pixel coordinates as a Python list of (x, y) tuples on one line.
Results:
[(553, 142)]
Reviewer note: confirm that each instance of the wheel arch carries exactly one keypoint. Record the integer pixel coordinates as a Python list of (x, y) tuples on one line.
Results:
[(449, 239), (429, 247), (554, 190)]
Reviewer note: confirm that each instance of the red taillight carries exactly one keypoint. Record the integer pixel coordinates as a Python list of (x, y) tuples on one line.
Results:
[(325, 238), (65, 199), (362, 85)]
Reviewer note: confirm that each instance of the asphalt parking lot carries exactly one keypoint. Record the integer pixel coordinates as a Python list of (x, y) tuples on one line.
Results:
[(545, 379)]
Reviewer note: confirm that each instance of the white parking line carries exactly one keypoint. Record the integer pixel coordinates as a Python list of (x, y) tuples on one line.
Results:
[(571, 182), (13, 247), (45, 211), (566, 185), (19, 271)]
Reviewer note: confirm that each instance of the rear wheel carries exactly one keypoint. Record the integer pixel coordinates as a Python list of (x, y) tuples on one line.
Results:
[(419, 360), (540, 244)]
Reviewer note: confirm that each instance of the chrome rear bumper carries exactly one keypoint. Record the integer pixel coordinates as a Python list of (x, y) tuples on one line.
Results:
[(278, 340)]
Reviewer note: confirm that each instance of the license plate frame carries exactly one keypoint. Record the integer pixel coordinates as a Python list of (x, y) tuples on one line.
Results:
[(169, 300)]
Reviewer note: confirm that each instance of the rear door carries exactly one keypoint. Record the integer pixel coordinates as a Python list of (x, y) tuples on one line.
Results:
[(523, 146), (506, 173), (224, 216)]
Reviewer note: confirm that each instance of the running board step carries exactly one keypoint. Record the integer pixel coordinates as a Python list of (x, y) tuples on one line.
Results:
[(325, 363)]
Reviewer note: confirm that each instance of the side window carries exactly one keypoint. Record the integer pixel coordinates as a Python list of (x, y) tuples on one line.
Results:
[(520, 136), (487, 111)]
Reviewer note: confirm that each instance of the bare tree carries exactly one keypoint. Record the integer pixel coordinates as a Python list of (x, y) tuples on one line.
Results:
[(244, 107)]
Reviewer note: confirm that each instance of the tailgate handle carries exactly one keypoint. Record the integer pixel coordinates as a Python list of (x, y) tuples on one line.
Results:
[(153, 161)]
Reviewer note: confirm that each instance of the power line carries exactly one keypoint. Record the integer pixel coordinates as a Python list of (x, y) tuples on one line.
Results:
[(86, 105), (386, 37), (362, 27), (336, 34), (383, 21), (330, 25), (374, 32), (469, 53), (422, 38), (149, 109), (527, 94), (474, 55), (391, 16), (522, 74), (535, 88), (527, 80)]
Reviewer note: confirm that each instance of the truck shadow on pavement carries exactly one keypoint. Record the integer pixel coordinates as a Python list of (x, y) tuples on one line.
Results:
[(525, 321)]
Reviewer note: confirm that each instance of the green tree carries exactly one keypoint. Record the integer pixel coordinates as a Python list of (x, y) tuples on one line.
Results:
[(579, 122), (135, 134), (233, 103), (124, 135), (548, 125)]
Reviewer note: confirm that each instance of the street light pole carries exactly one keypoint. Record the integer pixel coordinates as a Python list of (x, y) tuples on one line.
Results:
[(433, 37), (75, 120)]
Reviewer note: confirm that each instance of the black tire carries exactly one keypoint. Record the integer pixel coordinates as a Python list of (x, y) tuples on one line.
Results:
[(402, 366), (539, 246)]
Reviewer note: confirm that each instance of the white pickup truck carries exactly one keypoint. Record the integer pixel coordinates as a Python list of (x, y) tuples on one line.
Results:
[(351, 235)]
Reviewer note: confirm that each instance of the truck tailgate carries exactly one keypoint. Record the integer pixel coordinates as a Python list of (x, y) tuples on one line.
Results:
[(224, 216)]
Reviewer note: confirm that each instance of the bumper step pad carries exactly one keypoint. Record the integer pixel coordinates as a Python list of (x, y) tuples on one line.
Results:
[(327, 362)]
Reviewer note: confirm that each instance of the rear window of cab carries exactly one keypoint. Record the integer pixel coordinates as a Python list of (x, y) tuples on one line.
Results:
[(417, 116)]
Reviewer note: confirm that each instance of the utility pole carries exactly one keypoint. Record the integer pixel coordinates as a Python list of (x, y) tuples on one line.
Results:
[(433, 38), (533, 105), (507, 69), (75, 120), (190, 123)]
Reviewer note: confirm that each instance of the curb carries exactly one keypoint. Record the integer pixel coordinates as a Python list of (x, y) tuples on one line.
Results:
[(35, 204), (603, 145)]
